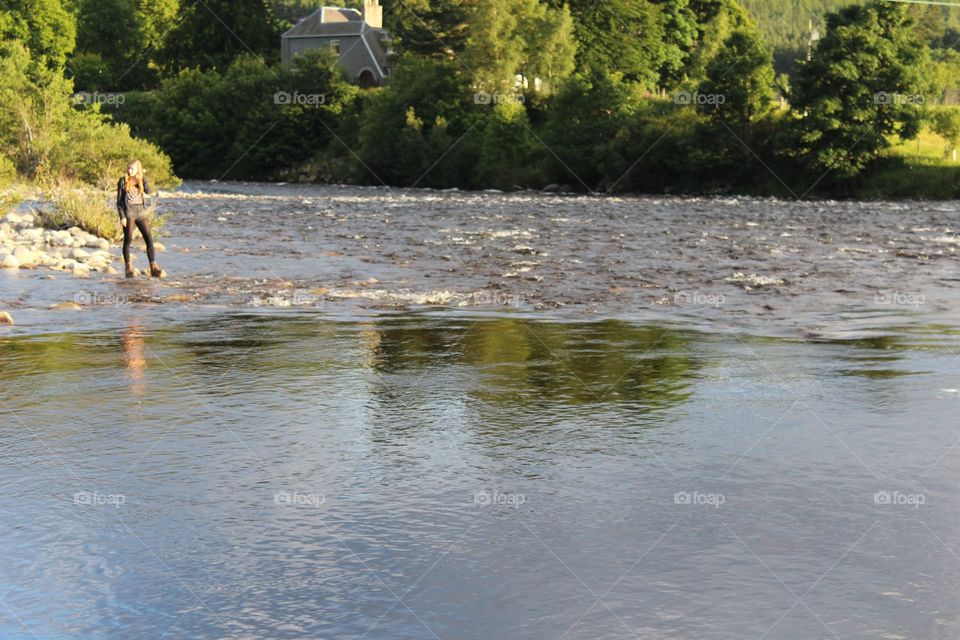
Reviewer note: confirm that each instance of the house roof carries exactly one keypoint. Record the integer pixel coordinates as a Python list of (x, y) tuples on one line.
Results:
[(328, 21)]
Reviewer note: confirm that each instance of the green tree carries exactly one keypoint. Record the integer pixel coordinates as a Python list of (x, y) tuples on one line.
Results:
[(251, 121), (862, 86), (417, 127), (433, 28), (587, 114), (509, 151), (742, 75), (946, 124), (46, 28), (681, 32), (211, 34), (624, 36), (48, 139), (550, 47), (507, 38)]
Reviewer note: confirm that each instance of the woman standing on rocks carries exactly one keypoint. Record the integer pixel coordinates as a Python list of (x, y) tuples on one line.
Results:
[(131, 204)]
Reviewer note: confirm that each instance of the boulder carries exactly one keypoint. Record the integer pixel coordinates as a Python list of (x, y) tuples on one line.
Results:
[(10, 262), (33, 234), (5, 318), (81, 270), (25, 256), (79, 254)]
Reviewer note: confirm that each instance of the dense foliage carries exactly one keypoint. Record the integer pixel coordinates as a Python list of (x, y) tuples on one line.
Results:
[(620, 95)]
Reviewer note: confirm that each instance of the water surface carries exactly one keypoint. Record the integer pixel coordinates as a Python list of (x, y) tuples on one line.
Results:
[(269, 444)]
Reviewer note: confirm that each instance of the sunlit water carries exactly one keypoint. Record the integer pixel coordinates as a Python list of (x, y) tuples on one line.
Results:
[(599, 450)]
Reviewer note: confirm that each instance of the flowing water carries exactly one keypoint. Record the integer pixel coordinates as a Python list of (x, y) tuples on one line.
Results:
[(365, 413)]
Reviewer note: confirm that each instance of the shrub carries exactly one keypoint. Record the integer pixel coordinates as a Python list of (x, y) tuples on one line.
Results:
[(85, 208), (8, 172), (49, 140), (92, 210)]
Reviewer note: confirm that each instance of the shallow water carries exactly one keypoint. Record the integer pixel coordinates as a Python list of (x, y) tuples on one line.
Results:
[(792, 269), (226, 466)]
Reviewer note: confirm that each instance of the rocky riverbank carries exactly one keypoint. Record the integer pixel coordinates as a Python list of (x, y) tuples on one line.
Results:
[(24, 244)]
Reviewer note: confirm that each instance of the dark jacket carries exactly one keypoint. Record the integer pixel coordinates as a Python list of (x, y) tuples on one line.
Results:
[(122, 195)]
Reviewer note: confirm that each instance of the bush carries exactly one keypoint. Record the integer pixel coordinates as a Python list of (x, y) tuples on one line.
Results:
[(49, 140), (93, 210), (8, 172), (85, 208), (249, 122), (98, 154)]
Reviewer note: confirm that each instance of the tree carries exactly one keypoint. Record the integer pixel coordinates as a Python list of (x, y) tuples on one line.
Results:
[(863, 85), (549, 45), (681, 32), (44, 26), (48, 139), (619, 36), (211, 34), (118, 42), (507, 38), (946, 124), (585, 117), (433, 28), (742, 73)]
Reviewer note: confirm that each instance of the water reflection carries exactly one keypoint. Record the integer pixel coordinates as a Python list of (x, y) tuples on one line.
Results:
[(399, 422), (133, 356)]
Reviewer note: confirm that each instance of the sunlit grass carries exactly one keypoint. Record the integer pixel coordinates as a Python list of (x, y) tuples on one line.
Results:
[(928, 147)]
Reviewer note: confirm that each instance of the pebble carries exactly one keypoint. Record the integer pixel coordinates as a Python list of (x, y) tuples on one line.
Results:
[(6, 318)]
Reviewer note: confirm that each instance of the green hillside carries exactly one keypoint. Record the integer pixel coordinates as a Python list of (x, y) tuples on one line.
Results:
[(785, 24)]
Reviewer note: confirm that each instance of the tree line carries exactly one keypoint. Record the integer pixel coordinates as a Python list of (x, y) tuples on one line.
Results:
[(623, 95)]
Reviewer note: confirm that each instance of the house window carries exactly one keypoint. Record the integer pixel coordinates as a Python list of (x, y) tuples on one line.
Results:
[(335, 45)]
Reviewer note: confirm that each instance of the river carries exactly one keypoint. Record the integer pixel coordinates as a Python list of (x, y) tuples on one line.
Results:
[(373, 413)]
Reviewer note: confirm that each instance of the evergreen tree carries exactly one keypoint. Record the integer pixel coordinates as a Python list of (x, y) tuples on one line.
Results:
[(863, 85)]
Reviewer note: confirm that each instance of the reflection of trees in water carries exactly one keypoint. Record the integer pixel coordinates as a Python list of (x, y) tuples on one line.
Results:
[(524, 361)]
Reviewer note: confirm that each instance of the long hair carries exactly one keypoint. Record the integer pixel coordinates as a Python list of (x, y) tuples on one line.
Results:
[(136, 180)]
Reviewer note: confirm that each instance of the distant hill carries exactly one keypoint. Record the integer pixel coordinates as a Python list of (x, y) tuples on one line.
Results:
[(785, 24)]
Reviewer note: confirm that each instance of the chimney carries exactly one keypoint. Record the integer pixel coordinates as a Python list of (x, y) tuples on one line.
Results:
[(373, 14)]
